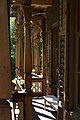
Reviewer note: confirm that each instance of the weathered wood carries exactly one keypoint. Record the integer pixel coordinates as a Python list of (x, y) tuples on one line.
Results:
[(5, 66)]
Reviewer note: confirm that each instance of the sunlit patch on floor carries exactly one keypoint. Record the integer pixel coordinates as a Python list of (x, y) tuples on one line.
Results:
[(44, 118), (41, 114)]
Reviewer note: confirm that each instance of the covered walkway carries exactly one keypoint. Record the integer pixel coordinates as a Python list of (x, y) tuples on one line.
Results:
[(46, 56)]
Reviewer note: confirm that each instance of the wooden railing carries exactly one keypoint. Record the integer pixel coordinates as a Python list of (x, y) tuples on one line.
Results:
[(18, 98), (38, 85)]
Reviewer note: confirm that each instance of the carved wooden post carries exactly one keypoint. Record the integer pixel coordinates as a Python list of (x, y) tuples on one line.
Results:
[(21, 30), (19, 42), (16, 38), (35, 55), (32, 45), (44, 49), (5, 67), (44, 52), (38, 53), (27, 49), (27, 63)]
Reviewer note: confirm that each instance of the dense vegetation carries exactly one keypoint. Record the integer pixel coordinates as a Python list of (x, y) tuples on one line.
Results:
[(13, 46)]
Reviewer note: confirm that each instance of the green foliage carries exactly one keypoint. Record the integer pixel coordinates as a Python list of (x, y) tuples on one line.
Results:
[(13, 46)]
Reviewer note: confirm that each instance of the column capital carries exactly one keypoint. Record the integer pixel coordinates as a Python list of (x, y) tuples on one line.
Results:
[(27, 11), (19, 15)]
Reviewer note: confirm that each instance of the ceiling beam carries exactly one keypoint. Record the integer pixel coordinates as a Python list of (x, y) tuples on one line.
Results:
[(41, 2)]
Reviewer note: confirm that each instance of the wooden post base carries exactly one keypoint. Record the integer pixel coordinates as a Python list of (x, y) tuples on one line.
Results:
[(5, 110)]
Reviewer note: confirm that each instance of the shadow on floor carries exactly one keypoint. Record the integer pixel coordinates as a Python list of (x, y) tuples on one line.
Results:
[(38, 110)]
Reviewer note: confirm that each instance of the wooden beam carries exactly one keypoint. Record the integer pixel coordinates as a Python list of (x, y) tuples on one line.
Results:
[(37, 17), (24, 2), (34, 2), (42, 2)]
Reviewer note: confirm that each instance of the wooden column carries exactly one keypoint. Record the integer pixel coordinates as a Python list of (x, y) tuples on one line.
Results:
[(32, 45), (27, 49), (44, 49), (16, 38), (44, 53), (5, 66), (38, 53), (35, 55), (27, 63), (19, 42)]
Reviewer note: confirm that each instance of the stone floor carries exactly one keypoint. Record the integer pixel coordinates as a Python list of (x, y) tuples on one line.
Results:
[(38, 110)]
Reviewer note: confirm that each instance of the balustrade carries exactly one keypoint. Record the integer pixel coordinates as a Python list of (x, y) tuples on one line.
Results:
[(37, 86)]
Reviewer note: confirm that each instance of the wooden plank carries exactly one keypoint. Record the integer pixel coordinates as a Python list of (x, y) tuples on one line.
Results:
[(5, 68)]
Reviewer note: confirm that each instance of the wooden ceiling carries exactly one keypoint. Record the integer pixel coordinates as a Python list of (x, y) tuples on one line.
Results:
[(43, 3), (39, 6), (38, 11)]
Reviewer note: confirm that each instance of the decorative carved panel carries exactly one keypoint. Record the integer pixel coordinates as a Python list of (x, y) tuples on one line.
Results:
[(37, 87), (62, 47)]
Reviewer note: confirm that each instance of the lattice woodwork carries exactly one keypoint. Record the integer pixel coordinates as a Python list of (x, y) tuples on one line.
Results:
[(37, 87)]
